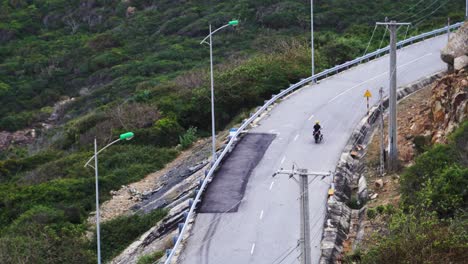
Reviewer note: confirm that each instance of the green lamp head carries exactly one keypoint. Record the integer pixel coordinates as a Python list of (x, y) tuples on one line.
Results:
[(127, 136)]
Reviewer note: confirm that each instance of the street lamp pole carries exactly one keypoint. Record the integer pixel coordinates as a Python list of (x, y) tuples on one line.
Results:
[(125, 136), (213, 132), (312, 34), (98, 229), (210, 43)]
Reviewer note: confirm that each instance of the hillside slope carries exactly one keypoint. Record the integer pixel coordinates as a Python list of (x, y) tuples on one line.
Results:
[(111, 66)]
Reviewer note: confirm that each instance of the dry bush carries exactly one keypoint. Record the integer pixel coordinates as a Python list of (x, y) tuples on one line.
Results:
[(134, 115), (125, 116)]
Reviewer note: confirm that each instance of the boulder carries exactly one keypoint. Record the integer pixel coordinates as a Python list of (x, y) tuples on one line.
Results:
[(379, 183), (456, 47), (460, 62), (363, 193)]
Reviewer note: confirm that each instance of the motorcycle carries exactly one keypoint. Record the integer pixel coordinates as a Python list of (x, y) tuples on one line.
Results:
[(318, 136)]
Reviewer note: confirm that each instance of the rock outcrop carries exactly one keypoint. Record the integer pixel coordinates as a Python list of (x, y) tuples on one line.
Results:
[(455, 54), (447, 108), (17, 138)]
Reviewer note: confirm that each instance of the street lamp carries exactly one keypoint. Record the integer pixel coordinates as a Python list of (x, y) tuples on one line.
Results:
[(213, 135), (125, 136)]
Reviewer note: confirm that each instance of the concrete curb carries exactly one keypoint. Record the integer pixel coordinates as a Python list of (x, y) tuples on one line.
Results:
[(348, 174)]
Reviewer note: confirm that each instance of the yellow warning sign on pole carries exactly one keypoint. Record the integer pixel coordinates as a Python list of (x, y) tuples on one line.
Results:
[(367, 94)]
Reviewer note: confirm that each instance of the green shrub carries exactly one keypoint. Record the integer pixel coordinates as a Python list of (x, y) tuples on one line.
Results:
[(118, 233), (15, 122), (380, 209), (389, 209), (436, 180), (426, 166), (43, 235), (186, 140), (420, 240), (353, 203), (150, 259), (371, 213), (421, 143)]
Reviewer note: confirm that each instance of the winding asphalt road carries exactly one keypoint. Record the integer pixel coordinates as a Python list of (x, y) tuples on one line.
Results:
[(265, 229)]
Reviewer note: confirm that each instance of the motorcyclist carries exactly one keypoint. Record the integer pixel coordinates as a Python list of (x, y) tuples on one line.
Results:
[(317, 127), (317, 134)]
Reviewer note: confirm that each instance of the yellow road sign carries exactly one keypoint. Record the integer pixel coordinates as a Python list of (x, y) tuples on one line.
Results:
[(367, 94)]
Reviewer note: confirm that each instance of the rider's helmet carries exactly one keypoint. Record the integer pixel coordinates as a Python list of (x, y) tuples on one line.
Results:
[(317, 122)]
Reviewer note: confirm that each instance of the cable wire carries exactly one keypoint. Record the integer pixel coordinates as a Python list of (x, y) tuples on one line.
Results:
[(381, 41), (406, 33), (418, 13), (406, 11), (417, 22), (292, 250), (295, 260), (370, 40)]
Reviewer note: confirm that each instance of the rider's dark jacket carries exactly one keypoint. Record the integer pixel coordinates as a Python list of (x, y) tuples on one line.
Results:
[(317, 127)]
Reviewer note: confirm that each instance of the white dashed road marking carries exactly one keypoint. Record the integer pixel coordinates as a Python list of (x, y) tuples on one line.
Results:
[(271, 185)]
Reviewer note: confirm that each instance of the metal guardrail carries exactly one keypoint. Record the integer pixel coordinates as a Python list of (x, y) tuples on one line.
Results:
[(291, 88)]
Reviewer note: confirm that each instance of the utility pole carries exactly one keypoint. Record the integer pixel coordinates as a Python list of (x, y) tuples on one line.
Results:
[(382, 148), (392, 124), (448, 28), (304, 207)]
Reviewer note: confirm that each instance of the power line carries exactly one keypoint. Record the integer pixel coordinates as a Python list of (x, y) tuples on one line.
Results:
[(406, 11), (289, 249), (424, 9), (417, 22), (294, 260), (290, 252)]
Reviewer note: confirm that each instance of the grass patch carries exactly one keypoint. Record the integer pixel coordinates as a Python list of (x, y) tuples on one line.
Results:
[(150, 259), (118, 233)]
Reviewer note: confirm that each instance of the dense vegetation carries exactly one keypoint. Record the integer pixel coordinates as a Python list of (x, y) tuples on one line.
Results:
[(138, 65), (431, 226), (118, 233)]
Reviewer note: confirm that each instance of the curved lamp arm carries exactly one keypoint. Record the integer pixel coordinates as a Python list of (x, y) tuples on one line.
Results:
[(231, 23), (125, 136)]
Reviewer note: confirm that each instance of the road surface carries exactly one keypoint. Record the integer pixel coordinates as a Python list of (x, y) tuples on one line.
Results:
[(265, 228)]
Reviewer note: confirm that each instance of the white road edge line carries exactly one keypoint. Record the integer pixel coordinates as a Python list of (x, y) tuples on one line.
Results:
[(375, 77), (253, 248), (310, 118), (296, 137), (261, 215), (284, 158), (271, 185)]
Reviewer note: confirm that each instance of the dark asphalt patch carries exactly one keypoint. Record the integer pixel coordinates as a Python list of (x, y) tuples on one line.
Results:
[(227, 189)]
